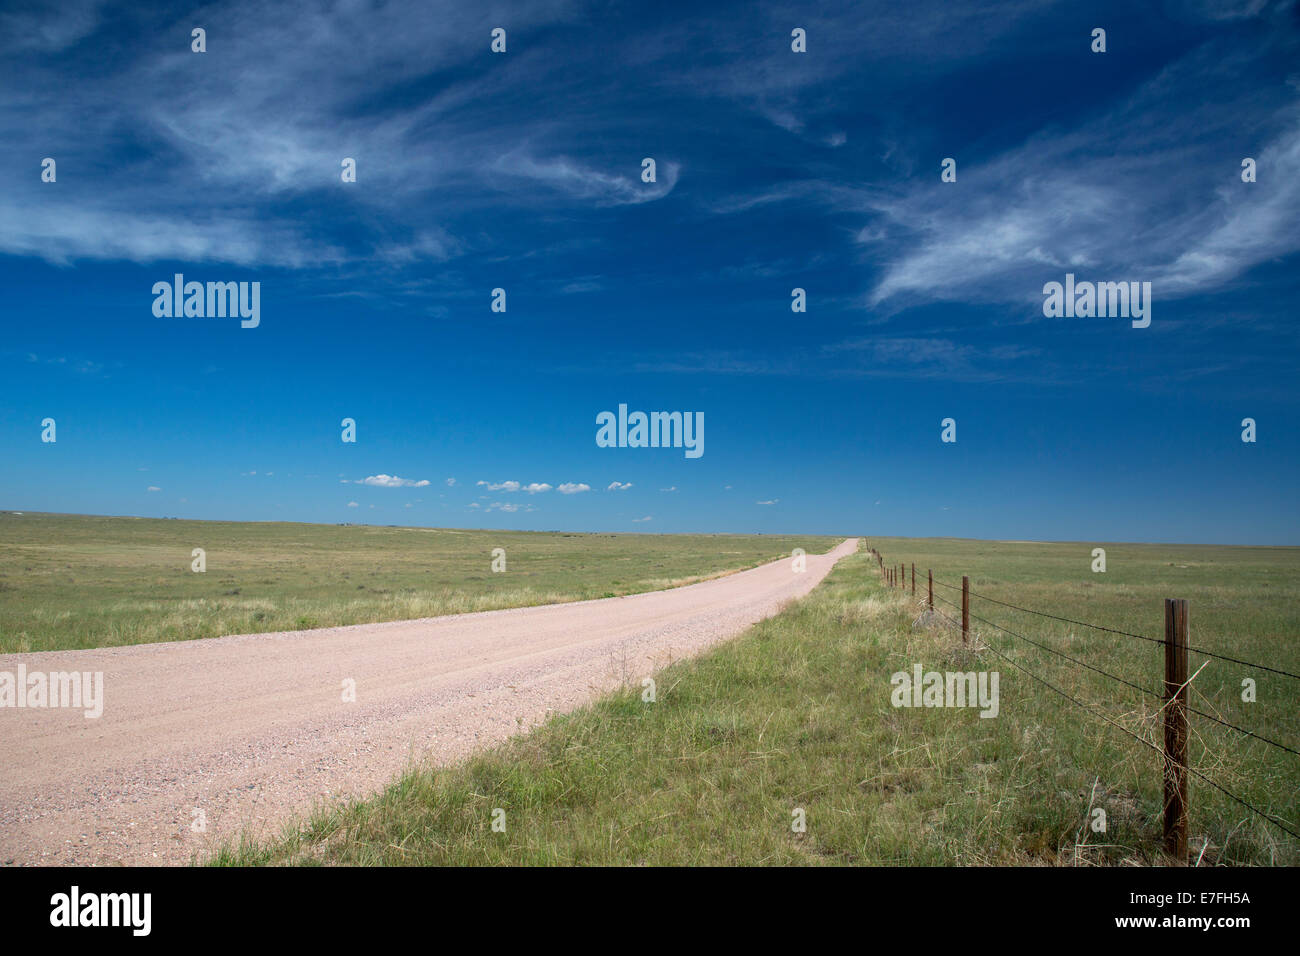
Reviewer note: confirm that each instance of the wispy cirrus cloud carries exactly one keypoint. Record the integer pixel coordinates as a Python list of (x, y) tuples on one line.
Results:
[(582, 182), (1116, 196), (49, 29), (223, 164), (937, 357)]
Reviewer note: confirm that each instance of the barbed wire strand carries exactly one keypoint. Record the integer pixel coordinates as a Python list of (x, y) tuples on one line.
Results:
[(1138, 737), (1112, 630), (1194, 710)]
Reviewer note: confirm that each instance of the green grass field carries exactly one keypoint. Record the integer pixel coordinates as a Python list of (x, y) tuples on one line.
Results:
[(73, 581), (796, 715)]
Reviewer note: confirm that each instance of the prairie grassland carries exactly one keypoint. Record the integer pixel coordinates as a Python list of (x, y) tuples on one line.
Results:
[(796, 715), (74, 581)]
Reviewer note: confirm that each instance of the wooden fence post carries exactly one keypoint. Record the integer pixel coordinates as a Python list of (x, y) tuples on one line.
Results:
[(965, 608), (1176, 730), (913, 579), (930, 574)]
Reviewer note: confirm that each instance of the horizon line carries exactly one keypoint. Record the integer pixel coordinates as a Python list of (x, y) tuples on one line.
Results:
[(752, 534)]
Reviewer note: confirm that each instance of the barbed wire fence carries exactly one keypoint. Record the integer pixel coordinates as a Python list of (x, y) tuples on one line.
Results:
[(1173, 698)]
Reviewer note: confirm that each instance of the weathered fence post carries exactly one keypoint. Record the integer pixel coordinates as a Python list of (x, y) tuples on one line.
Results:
[(1176, 730), (965, 608), (913, 579), (930, 575)]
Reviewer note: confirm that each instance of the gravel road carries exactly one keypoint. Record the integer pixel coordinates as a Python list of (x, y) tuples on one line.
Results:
[(247, 731)]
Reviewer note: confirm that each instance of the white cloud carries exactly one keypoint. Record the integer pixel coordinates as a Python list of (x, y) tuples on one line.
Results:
[(771, 502), (500, 485), (619, 486), (673, 488), (153, 488), (646, 518), (569, 488), (450, 482), (353, 504), (390, 481), (537, 488)]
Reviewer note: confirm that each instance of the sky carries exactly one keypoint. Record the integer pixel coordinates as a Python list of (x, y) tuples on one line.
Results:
[(775, 170)]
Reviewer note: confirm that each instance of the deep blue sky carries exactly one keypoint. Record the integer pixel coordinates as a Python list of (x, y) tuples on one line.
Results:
[(775, 170)]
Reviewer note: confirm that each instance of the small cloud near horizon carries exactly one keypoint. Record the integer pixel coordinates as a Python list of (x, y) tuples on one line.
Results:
[(390, 481)]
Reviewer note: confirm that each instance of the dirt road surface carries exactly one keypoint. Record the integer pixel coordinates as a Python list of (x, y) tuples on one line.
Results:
[(247, 731)]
